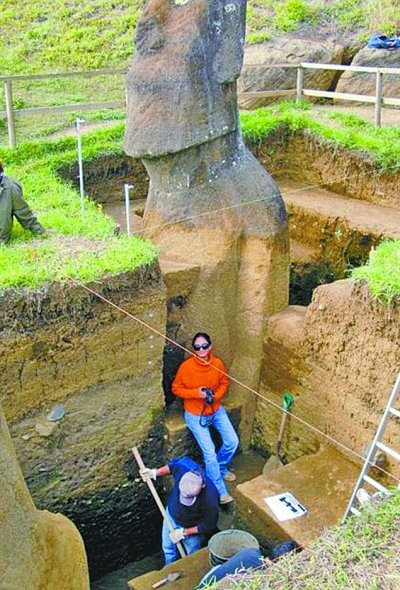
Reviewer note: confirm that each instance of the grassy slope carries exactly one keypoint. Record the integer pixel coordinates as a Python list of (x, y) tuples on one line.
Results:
[(49, 37), (57, 204), (83, 248), (363, 554)]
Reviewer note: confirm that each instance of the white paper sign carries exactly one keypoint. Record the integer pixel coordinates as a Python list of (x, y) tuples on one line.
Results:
[(285, 506)]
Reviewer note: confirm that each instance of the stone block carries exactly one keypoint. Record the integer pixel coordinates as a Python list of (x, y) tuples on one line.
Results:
[(322, 482)]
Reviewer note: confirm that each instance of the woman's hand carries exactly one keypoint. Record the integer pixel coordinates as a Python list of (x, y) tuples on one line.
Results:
[(202, 393)]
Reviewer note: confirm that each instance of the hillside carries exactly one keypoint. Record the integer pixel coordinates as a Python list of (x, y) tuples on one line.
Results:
[(38, 36), (95, 34)]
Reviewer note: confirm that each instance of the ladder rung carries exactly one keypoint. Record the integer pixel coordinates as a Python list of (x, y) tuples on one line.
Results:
[(388, 450), (355, 511), (375, 484), (395, 412)]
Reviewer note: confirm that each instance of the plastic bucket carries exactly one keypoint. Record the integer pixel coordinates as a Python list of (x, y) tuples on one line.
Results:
[(225, 544)]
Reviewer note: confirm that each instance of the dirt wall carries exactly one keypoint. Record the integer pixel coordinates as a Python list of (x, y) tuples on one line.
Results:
[(60, 339), (304, 156), (348, 172), (63, 345), (340, 358)]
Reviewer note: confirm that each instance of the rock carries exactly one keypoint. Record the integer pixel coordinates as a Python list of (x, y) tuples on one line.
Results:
[(181, 85), (284, 51), (363, 82), (44, 428), (38, 549)]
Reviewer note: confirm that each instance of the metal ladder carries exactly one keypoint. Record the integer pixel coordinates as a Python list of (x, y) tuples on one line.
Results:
[(389, 412)]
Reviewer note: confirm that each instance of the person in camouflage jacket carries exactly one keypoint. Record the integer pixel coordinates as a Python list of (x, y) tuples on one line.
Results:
[(12, 204)]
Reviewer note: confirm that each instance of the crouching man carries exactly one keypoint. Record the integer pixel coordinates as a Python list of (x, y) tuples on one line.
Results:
[(12, 204), (192, 506)]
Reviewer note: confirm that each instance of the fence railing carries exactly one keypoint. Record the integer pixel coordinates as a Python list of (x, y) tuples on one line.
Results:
[(299, 92), (10, 113)]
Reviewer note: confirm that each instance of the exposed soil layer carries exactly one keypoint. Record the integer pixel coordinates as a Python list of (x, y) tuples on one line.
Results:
[(105, 177), (61, 344), (339, 231), (339, 357), (299, 155), (303, 156), (63, 333)]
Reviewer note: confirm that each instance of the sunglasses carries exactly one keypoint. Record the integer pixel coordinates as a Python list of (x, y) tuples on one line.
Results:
[(201, 346)]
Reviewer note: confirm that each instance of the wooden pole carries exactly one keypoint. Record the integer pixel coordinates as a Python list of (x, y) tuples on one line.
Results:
[(299, 84), (378, 98), (156, 497), (10, 113)]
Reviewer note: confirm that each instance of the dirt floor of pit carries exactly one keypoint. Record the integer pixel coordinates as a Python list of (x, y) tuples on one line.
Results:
[(247, 466)]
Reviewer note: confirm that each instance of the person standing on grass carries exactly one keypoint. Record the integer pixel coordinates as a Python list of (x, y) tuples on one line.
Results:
[(202, 382), (12, 204)]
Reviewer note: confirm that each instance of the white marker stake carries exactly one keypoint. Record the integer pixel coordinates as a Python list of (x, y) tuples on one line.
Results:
[(80, 165), (127, 188)]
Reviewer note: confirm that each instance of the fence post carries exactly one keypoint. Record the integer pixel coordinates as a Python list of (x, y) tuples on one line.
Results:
[(299, 84), (378, 98), (10, 113)]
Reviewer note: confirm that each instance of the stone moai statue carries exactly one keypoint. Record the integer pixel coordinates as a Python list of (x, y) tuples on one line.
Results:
[(210, 205), (38, 550)]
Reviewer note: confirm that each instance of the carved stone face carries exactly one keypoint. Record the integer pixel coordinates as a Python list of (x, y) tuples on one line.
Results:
[(181, 86)]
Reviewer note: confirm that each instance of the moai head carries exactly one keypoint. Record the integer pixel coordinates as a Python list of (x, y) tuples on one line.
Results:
[(181, 87)]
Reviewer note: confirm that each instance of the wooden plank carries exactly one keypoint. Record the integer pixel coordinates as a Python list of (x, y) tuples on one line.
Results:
[(339, 95), (66, 108), (87, 74), (299, 84), (378, 98), (340, 67), (395, 102), (9, 113), (266, 93), (272, 66)]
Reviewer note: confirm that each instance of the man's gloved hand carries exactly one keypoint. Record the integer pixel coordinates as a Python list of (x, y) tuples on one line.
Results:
[(147, 474), (177, 535)]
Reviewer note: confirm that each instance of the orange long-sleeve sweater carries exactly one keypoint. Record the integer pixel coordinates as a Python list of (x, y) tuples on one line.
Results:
[(195, 373)]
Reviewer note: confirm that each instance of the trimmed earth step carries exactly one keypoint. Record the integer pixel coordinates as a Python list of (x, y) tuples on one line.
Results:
[(335, 226), (322, 482), (193, 568)]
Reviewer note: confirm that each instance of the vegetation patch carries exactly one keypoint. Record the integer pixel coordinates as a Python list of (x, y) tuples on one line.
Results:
[(363, 554), (349, 131), (80, 246), (382, 272)]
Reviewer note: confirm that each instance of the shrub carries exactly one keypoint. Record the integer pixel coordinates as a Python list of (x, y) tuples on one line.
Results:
[(291, 13)]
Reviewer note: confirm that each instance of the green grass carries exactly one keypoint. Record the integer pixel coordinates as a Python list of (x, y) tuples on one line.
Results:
[(52, 37), (349, 14), (363, 554), (349, 131), (93, 250), (57, 203), (292, 13), (382, 272)]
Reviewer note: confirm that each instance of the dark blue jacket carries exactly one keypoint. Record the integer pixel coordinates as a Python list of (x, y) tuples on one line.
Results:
[(204, 512)]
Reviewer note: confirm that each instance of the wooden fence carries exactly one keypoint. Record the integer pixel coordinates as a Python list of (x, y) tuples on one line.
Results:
[(299, 92)]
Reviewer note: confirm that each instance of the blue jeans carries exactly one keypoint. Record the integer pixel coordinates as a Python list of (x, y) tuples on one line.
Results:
[(192, 543), (216, 463), (243, 560)]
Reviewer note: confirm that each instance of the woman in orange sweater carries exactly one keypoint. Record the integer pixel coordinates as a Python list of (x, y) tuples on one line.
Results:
[(202, 385)]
